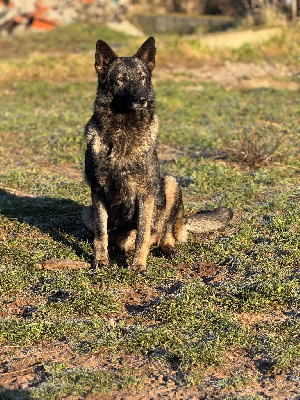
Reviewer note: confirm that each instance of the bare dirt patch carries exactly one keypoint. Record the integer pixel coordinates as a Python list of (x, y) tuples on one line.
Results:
[(238, 74), (239, 381), (20, 304), (22, 369), (269, 317)]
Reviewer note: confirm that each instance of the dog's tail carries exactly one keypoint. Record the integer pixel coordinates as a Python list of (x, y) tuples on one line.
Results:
[(202, 221), (206, 220)]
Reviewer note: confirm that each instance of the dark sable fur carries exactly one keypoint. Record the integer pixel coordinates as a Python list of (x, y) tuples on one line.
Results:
[(132, 204)]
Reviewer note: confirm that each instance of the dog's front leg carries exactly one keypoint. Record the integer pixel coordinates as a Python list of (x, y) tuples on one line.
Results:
[(142, 243), (101, 258)]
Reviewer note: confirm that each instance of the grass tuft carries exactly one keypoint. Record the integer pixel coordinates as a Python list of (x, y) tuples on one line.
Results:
[(257, 146)]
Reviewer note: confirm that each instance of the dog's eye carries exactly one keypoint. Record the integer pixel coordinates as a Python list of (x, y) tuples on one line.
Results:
[(143, 77)]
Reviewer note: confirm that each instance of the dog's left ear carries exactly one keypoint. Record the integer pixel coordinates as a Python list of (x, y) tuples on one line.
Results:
[(147, 53)]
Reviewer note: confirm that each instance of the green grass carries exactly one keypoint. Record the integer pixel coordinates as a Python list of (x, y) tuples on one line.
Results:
[(187, 315), (64, 382)]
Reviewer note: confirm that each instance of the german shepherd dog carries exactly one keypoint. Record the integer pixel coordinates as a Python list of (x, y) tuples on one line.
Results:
[(133, 207)]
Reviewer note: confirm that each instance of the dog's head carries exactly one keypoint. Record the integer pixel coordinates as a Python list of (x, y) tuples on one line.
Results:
[(126, 81)]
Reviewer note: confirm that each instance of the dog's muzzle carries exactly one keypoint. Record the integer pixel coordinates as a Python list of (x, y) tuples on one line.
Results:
[(130, 101), (139, 105)]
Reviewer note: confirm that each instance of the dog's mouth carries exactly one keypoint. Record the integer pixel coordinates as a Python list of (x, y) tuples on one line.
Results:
[(139, 105)]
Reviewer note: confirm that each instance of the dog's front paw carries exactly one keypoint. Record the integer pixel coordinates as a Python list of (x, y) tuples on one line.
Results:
[(100, 264), (138, 267)]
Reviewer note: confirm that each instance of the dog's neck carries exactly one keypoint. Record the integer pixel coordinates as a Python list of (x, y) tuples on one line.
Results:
[(125, 134), (138, 120)]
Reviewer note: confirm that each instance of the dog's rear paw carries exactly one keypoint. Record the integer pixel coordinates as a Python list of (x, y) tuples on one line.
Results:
[(169, 251)]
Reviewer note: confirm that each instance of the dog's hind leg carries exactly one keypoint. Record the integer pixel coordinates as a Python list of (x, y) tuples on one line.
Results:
[(101, 258), (173, 229), (125, 240)]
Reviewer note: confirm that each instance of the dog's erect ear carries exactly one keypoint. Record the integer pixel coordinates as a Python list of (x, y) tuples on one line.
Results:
[(147, 53), (104, 56)]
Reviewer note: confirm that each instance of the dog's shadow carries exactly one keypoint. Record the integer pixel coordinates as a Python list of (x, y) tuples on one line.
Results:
[(59, 218)]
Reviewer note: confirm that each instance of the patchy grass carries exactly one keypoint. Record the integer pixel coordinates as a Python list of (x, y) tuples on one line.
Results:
[(220, 319)]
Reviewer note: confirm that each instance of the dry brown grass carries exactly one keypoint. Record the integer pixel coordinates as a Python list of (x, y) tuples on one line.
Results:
[(256, 146), (54, 68)]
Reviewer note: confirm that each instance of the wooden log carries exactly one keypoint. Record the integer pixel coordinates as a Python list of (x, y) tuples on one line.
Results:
[(61, 264)]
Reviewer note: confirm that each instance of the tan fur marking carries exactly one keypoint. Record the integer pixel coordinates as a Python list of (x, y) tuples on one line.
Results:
[(100, 250), (143, 239), (154, 129), (167, 241), (171, 186), (97, 143), (166, 229), (128, 243), (173, 230), (179, 229), (101, 236)]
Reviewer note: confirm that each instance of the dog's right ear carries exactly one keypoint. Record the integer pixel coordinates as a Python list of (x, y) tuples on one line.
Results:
[(104, 56)]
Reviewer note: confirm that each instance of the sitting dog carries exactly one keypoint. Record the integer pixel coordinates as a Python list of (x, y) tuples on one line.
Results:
[(132, 205)]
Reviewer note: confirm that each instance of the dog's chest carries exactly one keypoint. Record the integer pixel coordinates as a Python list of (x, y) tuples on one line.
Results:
[(121, 165), (122, 154)]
